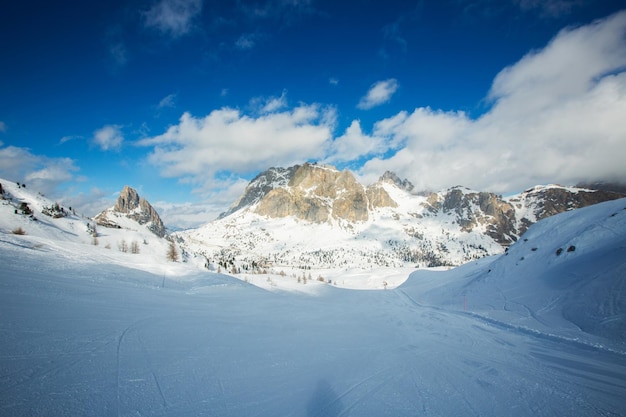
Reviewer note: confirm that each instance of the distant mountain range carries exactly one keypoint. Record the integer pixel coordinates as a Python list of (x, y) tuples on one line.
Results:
[(315, 216)]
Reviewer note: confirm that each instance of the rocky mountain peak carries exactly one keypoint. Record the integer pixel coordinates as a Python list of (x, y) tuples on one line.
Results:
[(393, 178), (317, 193), (260, 185), (127, 201), (129, 204)]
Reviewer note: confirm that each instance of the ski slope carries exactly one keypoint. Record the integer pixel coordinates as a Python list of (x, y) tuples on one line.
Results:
[(96, 332)]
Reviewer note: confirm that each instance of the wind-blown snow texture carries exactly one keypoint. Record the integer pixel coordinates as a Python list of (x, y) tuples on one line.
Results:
[(91, 331)]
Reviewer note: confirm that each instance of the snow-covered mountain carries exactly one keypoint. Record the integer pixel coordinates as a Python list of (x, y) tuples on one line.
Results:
[(130, 205), (130, 231), (315, 216)]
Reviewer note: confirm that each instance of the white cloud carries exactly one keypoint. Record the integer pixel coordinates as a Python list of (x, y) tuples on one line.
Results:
[(269, 104), (119, 54), (173, 17), (379, 93), (108, 137), (227, 140), (286, 12), (354, 144), (167, 101), (90, 203), (246, 41), (38, 172), (3, 127), (68, 138), (191, 215), (333, 81), (557, 115), (550, 8)]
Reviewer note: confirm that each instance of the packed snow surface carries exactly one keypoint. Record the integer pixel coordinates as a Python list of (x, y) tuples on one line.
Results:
[(96, 332)]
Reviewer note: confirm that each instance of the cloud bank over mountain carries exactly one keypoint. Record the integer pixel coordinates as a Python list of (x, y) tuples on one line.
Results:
[(556, 115)]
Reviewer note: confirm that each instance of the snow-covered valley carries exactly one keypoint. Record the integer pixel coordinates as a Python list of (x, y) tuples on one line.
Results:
[(93, 331)]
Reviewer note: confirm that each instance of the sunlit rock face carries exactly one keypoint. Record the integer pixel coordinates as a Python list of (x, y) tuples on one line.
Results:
[(130, 204), (317, 193)]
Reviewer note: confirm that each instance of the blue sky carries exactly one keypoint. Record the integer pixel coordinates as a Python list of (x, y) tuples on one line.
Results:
[(187, 100)]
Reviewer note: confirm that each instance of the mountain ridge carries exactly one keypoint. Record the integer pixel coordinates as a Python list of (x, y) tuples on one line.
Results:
[(313, 214)]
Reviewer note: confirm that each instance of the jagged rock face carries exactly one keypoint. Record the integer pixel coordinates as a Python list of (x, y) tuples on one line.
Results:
[(499, 216), (477, 209), (134, 207), (392, 178), (547, 201), (282, 202), (378, 197), (260, 186), (317, 193)]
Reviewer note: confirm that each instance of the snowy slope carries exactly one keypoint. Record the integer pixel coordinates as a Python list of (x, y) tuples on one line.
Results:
[(80, 335), (568, 272), (67, 230)]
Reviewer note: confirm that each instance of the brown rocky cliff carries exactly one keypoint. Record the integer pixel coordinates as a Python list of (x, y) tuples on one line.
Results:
[(318, 193), (134, 207)]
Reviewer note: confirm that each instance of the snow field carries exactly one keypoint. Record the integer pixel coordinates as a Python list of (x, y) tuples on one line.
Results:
[(86, 330), (85, 338)]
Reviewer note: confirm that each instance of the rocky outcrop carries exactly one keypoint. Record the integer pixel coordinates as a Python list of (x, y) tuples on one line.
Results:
[(473, 210), (316, 193), (392, 178), (129, 204), (544, 201), (260, 186), (378, 197), (505, 219), (282, 202)]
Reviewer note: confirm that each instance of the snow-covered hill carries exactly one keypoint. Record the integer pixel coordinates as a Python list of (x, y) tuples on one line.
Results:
[(316, 217), (532, 332), (42, 223), (568, 272)]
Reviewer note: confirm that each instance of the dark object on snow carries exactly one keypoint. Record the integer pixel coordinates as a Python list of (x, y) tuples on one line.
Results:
[(559, 251), (571, 248), (25, 209)]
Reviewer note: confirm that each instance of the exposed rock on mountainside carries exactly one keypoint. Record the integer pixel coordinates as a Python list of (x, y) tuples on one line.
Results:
[(542, 202), (130, 205), (476, 210), (392, 178), (378, 197), (316, 193), (261, 185)]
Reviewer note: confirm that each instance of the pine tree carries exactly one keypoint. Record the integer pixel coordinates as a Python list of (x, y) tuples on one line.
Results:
[(172, 253), (134, 247)]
